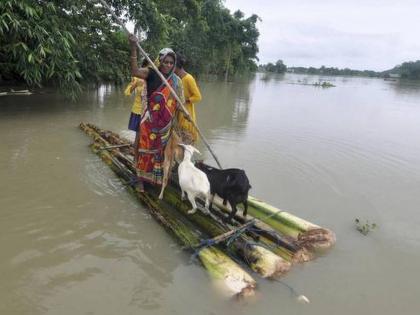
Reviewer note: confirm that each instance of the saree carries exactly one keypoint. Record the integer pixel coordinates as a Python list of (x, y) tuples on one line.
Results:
[(155, 129)]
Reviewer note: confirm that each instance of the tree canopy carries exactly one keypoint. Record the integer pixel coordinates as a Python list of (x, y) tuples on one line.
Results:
[(409, 70), (66, 43), (278, 67)]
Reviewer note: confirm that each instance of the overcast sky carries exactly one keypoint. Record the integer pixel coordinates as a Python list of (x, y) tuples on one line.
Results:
[(359, 34)]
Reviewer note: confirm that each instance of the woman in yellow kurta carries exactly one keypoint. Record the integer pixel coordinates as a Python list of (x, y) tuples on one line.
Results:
[(192, 96), (136, 86)]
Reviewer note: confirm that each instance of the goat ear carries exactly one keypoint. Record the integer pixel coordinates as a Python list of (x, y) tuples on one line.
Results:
[(196, 150)]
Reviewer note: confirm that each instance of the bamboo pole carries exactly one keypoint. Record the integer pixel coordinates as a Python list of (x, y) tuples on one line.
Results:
[(219, 266), (180, 102)]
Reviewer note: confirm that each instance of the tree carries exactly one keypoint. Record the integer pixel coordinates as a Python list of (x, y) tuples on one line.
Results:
[(278, 67), (410, 70), (66, 43)]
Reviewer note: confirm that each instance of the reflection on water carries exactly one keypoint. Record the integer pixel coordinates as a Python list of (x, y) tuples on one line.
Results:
[(406, 87), (227, 104), (73, 241)]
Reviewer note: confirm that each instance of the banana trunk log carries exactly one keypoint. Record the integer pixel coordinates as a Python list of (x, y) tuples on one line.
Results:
[(258, 258), (284, 246), (307, 234)]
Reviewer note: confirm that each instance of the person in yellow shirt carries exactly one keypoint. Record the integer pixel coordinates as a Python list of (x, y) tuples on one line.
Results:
[(136, 86), (192, 96)]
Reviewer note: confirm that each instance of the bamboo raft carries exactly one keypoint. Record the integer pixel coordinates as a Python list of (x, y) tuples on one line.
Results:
[(268, 242)]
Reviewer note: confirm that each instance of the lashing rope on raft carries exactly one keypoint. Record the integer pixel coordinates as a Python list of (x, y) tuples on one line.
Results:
[(230, 238)]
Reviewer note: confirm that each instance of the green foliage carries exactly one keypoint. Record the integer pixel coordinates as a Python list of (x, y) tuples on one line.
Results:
[(410, 70), (366, 227), (60, 43), (334, 71), (213, 40), (66, 43), (407, 70), (34, 47)]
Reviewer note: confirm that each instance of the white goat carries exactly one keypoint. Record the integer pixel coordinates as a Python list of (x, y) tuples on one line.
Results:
[(192, 181)]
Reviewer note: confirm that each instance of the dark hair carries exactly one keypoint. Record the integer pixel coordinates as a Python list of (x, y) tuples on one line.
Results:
[(180, 61), (144, 63)]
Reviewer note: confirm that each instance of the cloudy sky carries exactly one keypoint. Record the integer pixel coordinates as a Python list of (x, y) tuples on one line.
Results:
[(359, 34)]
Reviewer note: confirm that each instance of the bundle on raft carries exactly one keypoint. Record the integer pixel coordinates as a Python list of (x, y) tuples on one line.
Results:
[(269, 241)]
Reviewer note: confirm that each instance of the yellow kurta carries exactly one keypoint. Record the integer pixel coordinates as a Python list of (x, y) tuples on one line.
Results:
[(192, 96), (140, 92)]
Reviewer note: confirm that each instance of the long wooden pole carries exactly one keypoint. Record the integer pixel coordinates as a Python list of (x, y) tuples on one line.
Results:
[(182, 107)]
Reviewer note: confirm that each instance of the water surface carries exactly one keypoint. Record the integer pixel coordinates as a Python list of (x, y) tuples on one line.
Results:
[(73, 241)]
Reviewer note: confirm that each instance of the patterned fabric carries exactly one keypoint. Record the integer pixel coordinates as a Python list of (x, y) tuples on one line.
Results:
[(155, 129)]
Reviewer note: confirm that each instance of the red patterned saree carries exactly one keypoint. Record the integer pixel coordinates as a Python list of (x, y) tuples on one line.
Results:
[(155, 128)]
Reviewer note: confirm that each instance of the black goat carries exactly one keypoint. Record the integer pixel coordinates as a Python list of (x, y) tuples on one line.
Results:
[(230, 184)]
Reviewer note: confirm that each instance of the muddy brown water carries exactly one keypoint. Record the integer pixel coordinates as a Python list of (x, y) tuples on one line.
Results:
[(73, 241)]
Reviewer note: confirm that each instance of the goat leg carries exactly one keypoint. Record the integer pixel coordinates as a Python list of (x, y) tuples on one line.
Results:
[(161, 191), (194, 205), (245, 207), (207, 204), (167, 167), (233, 212), (211, 202)]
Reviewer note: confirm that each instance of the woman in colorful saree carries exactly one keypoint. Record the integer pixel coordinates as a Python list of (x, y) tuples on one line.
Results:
[(159, 113)]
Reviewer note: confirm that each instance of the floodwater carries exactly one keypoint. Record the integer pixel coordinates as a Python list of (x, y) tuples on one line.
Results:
[(73, 241)]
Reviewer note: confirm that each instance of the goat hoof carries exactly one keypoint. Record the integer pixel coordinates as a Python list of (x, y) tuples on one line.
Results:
[(192, 211)]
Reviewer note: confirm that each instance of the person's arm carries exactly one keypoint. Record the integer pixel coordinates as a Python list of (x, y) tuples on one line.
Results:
[(195, 96), (141, 73), (127, 91), (136, 83)]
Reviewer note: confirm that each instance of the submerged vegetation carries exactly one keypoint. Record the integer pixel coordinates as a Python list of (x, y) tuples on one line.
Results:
[(324, 84), (365, 227), (69, 43)]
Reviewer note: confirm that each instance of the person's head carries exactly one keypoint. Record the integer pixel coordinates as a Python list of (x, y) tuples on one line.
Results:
[(167, 60), (180, 62)]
